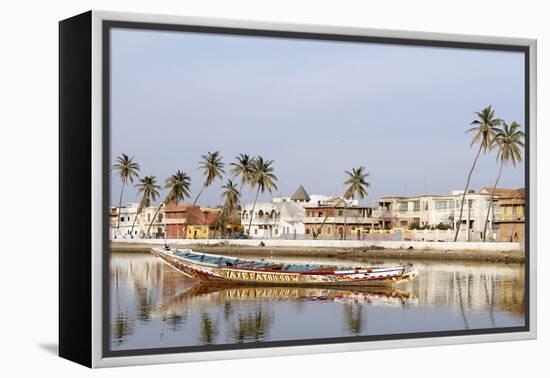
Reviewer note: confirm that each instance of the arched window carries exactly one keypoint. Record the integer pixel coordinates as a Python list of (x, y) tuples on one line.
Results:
[(329, 230), (307, 230), (260, 213), (340, 230)]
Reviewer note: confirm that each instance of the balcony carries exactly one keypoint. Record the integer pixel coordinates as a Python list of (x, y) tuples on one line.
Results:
[(499, 218)]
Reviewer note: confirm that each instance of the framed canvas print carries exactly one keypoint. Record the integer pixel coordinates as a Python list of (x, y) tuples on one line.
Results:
[(231, 189)]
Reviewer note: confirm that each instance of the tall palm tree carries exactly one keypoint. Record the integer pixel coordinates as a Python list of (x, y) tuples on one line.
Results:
[(357, 185), (509, 141), (231, 195), (263, 179), (212, 168), (485, 127), (243, 168), (127, 170), (178, 189), (149, 190)]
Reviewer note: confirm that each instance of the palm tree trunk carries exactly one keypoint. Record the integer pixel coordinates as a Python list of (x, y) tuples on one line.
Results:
[(134, 222), (154, 217), (326, 217), (220, 219), (465, 191), (198, 195), (345, 223), (120, 206), (252, 212), (491, 202)]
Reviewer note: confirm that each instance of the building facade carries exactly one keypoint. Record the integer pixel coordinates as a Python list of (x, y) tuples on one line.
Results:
[(192, 222), (337, 219), (282, 218), (435, 210), (126, 223), (509, 214)]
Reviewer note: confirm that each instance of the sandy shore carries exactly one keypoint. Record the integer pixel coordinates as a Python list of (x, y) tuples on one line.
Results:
[(407, 254)]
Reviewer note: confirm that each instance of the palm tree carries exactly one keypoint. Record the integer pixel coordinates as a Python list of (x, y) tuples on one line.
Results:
[(231, 195), (212, 167), (178, 186), (127, 170), (150, 192), (243, 168), (357, 185), (485, 128), (509, 141), (263, 179)]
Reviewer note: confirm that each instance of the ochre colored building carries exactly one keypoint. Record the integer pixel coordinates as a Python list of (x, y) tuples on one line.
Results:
[(191, 222)]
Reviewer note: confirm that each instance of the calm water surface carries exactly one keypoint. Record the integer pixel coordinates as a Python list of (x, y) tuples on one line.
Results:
[(154, 306)]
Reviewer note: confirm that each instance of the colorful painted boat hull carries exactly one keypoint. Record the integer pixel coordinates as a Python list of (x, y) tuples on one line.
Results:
[(212, 273)]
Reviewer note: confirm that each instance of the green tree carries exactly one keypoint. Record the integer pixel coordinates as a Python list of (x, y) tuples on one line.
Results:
[(484, 128), (262, 179), (212, 168), (357, 185), (149, 190), (509, 141), (178, 189), (127, 170), (231, 195), (242, 168)]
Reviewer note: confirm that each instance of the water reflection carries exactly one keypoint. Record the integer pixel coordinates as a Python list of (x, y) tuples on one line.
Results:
[(152, 305)]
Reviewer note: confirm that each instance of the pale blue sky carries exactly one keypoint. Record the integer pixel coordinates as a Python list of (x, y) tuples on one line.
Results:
[(315, 107)]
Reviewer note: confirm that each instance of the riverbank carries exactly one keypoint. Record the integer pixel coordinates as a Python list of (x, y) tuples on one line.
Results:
[(352, 251)]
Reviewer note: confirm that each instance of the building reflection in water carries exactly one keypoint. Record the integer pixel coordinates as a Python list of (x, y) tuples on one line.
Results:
[(149, 298)]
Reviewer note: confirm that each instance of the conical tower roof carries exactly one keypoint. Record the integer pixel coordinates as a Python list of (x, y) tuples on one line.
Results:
[(300, 195)]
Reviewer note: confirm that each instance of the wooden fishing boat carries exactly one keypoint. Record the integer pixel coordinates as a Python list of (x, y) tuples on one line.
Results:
[(213, 268)]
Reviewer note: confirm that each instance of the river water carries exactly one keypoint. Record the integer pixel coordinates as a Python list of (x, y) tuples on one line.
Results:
[(154, 306)]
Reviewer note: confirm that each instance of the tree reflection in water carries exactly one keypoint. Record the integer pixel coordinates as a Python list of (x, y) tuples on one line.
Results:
[(353, 315), (209, 330), (122, 327), (252, 326)]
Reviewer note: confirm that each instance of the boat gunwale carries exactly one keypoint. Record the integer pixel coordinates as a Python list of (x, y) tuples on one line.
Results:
[(309, 272)]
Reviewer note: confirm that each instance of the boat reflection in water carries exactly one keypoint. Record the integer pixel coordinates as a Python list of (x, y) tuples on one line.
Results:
[(153, 305)]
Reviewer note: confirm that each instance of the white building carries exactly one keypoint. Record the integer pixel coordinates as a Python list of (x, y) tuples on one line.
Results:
[(124, 224), (432, 210), (282, 218)]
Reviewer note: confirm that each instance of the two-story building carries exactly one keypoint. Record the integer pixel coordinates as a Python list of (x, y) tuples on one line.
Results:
[(433, 210), (337, 218), (509, 214), (127, 223), (192, 222)]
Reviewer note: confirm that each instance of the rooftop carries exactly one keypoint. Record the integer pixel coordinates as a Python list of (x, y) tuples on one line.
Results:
[(300, 195)]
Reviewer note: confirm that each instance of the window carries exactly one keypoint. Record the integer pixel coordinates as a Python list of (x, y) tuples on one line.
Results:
[(403, 206), (340, 213), (122, 219), (276, 231), (307, 231), (440, 205), (416, 205), (329, 230), (320, 214), (148, 217), (255, 231), (160, 217)]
